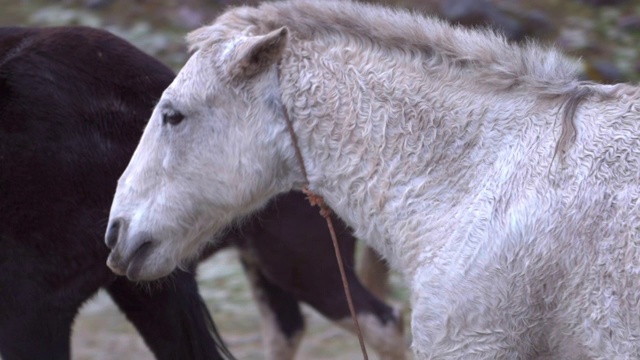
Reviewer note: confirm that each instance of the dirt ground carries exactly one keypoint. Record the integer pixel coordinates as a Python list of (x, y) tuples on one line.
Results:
[(101, 332)]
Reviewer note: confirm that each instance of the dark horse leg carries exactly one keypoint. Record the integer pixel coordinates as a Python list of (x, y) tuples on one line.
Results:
[(39, 301), (381, 325), (35, 322), (373, 271), (290, 243), (31, 338), (171, 317), (73, 103), (282, 320), (41, 333)]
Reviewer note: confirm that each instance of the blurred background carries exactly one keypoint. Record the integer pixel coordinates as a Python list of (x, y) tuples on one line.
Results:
[(605, 34)]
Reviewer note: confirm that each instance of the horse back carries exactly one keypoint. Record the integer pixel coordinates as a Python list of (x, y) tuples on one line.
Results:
[(73, 104), (70, 98)]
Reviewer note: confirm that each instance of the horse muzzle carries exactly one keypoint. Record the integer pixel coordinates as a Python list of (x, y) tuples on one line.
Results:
[(128, 254)]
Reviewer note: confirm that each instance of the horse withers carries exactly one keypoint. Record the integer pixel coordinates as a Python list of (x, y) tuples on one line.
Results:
[(503, 188)]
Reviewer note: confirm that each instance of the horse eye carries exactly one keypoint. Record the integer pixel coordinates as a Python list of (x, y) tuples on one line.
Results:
[(173, 118)]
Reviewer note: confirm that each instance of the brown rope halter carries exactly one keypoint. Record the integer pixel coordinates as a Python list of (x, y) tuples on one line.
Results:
[(318, 200)]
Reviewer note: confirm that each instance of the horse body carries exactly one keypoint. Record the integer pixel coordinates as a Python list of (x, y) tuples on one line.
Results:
[(504, 189), (288, 258), (73, 103)]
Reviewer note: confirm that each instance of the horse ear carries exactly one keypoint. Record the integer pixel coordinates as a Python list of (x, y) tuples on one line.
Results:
[(259, 52)]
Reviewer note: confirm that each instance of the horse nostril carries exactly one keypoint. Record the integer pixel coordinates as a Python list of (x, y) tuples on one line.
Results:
[(112, 233)]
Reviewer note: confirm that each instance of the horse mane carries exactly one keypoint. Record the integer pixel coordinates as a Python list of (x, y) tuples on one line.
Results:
[(496, 62), (487, 51)]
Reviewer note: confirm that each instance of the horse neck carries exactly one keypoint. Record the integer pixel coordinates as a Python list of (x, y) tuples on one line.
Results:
[(381, 145)]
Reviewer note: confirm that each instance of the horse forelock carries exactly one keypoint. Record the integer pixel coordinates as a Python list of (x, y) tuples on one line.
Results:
[(227, 28)]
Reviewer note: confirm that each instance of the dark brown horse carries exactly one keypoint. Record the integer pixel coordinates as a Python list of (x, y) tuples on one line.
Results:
[(73, 104), (288, 257)]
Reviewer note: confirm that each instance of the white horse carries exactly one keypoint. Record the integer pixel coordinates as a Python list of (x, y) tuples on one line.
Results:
[(505, 190)]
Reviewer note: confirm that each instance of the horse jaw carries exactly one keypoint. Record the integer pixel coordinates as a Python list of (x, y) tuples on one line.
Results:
[(172, 198)]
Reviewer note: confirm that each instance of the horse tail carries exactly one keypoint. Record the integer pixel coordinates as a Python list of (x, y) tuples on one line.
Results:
[(219, 344), (171, 316), (200, 337)]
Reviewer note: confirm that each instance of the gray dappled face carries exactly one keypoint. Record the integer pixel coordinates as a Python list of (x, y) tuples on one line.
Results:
[(210, 153)]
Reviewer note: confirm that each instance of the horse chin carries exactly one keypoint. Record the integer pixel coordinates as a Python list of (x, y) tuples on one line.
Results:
[(141, 272), (148, 265), (147, 262)]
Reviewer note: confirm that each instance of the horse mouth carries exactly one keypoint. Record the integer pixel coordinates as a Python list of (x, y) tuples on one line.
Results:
[(132, 265), (136, 262)]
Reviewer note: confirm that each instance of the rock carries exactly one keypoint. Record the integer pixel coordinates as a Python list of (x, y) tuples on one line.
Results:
[(603, 72), (481, 12), (538, 23), (97, 4), (573, 39), (631, 22), (603, 2), (189, 18)]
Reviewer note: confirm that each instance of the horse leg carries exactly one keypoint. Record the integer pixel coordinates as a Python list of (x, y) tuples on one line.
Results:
[(171, 317), (282, 320), (373, 271), (40, 298), (291, 244), (42, 333), (381, 325)]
